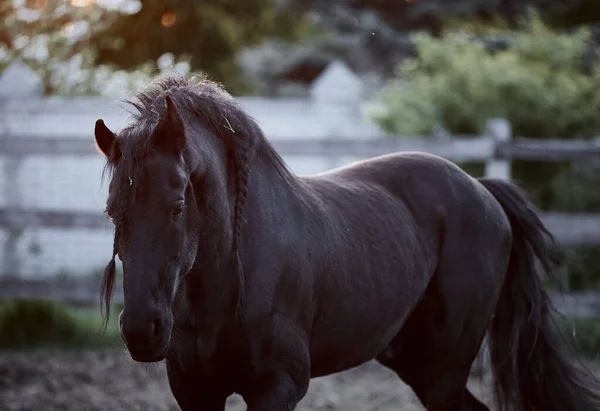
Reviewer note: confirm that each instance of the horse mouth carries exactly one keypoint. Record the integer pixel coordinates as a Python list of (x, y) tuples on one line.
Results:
[(149, 357)]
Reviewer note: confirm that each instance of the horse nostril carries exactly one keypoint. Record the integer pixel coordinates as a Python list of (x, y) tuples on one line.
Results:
[(156, 330)]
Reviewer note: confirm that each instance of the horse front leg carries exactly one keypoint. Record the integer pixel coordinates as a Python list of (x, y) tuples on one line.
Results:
[(277, 391), (193, 393)]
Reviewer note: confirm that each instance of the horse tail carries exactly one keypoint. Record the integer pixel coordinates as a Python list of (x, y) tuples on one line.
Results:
[(531, 368)]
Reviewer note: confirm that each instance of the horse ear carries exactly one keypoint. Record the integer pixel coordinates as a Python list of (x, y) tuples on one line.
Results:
[(170, 135), (104, 137)]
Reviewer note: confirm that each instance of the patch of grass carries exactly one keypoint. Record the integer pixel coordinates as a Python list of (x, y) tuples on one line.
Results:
[(26, 324)]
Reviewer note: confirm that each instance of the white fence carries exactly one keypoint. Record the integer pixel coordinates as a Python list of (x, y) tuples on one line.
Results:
[(51, 197), (48, 162)]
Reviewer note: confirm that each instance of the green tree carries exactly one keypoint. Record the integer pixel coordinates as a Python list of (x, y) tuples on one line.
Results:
[(52, 37), (208, 32), (77, 46)]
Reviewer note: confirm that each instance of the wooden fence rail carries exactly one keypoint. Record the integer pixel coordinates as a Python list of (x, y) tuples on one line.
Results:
[(496, 148)]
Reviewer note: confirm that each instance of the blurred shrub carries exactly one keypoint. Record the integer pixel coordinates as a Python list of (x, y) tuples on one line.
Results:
[(541, 84), (582, 335), (544, 84), (42, 323)]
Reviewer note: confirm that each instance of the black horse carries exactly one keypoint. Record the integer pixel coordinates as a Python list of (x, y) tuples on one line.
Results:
[(248, 279)]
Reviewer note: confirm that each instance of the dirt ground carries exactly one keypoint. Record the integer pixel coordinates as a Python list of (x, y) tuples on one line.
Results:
[(110, 380)]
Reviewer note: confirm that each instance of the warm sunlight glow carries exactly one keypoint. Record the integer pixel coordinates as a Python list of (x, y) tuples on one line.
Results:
[(82, 3), (39, 4), (68, 27), (168, 19)]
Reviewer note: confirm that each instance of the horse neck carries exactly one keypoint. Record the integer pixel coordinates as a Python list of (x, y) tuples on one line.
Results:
[(274, 201)]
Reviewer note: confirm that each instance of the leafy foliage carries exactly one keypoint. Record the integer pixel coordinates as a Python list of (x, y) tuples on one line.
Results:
[(540, 84), (52, 37), (80, 46), (208, 32), (543, 84)]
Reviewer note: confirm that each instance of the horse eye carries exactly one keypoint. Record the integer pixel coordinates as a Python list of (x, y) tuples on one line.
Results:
[(177, 210)]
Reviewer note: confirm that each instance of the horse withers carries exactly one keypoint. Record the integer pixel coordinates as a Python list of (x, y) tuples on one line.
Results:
[(249, 279)]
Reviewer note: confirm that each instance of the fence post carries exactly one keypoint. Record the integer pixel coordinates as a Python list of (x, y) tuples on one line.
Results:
[(596, 143), (17, 82), (500, 131), (337, 93)]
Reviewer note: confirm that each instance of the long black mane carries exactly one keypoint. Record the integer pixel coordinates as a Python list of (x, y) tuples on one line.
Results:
[(216, 109)]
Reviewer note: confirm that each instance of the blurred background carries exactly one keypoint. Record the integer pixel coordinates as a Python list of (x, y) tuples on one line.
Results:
[(504, 88)]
